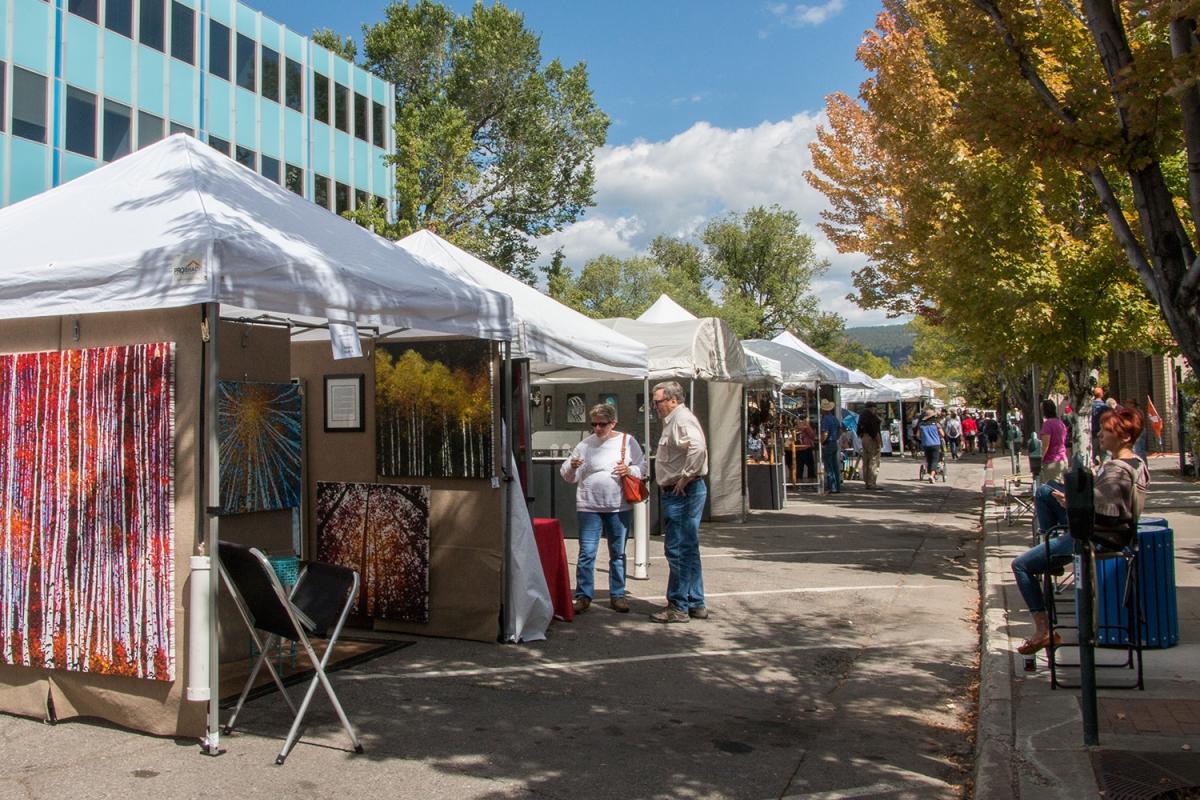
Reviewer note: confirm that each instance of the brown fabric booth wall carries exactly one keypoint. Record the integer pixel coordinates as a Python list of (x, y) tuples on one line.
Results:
[(154, 706), (466, 551)]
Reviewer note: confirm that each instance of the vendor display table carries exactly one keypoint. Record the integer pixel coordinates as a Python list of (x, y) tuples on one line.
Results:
[(553, 551)]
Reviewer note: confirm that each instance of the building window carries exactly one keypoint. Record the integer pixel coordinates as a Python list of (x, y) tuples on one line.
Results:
[(377, 119), (270, 73), (2, 87), (294, 85), (178, 128), (183, 33), (269, 167), (341, 198), (244, 156), (341, 107), (118, 17), (361, 199), (117, 130), (321, 191), (150, 129), (220, 145), (320, 98), (81, 122), (152, 23), (29, 105), (218, 49), (245, 62), (88, 9), (361, 128), (295, 179)]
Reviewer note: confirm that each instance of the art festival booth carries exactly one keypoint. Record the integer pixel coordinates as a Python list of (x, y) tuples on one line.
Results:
[(883, 396), (554, 343), (153, 403), (914, 394), (705, 356)]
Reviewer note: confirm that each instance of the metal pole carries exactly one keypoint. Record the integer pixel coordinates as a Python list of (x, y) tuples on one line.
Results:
[(1087, 642), (507, 477), (641, 511), (211, 493)]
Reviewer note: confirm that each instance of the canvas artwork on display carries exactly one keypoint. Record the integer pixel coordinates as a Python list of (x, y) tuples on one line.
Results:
[(576, 408), (87, 579), (259, 428), (609, 399), (382, 531), (433, 409)]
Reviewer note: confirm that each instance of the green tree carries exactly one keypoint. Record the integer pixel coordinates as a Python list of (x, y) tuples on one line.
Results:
[(493, 149), (336, 43)]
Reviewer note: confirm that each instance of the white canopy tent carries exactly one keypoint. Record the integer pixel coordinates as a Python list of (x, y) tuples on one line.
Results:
[(799, 369), (910, 389), (178, 224), (877, 392)]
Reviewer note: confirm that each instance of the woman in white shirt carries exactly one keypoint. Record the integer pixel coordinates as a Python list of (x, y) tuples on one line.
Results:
[(596, 465)]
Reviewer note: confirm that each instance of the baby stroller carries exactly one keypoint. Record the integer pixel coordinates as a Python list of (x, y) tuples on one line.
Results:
[(939, 468), (851, 463)]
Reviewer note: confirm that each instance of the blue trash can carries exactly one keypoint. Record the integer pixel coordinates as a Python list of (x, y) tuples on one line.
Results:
[(1156, 585), (1153, 522)]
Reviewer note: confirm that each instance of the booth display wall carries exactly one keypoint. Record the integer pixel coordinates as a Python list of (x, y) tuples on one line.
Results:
[(466, 551), (153, 706)]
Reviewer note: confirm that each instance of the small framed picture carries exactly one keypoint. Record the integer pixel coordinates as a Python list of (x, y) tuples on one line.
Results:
[(609, 398), (548, 409), (576, 409), (344, 403)]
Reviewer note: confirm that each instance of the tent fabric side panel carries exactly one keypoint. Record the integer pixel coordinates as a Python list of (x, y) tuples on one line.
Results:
[(466, 552), (151, 706), (726, 451)]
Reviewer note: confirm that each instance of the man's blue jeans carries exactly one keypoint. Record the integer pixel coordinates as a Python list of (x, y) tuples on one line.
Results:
[(831, 459), (681, 516), (615, 526)]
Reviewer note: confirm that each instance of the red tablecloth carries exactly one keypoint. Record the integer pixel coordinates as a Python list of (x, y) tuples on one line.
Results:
[(553, 551)]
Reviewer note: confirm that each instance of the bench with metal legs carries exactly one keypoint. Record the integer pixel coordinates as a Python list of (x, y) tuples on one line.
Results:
[(317, 607)]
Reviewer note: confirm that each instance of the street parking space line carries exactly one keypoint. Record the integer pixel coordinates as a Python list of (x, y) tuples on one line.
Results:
[(751, 553), (817, 590), (905, 780), (741, 652)]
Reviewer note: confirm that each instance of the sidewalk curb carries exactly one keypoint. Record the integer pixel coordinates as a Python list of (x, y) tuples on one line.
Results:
[(995, 740)]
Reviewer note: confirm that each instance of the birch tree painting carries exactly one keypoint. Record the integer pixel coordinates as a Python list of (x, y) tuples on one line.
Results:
[(87, 510), (433, 409), (382, 532), (259, 430)]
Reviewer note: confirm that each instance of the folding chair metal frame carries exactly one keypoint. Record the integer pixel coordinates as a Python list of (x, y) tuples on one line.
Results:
[(292, 616)]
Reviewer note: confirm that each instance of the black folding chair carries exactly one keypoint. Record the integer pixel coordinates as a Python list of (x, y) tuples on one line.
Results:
[(316, 608)]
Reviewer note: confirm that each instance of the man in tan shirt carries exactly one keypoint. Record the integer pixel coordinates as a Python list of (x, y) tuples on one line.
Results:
[(681, 464)]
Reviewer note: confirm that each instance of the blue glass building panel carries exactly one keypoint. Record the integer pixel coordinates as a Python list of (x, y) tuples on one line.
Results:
[(269, 114), (320, 148), (293, 45), (362, 82), (381, 91), (3, 36), (30, 169), (247, 118), (151, 88), (221, 11), (382, 184), (183, 94), (189, 3), (218, 107), (363, 155), (341, 157), (118, 67), (74, 165), (270, 33), (81, 53), (3, 165), (247, 20), (341, 71), (32, 21), (293, 137)]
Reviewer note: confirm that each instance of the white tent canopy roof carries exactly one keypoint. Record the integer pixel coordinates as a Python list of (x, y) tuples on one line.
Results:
[(831, 371), (561, 344), (797, 368), (665, 309), (703, 349), (762, 371), (876, 392), (909, 388), (179, 224)]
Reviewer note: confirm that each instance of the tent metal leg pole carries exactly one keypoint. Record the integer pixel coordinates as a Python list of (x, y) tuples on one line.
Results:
[(212, 494), (641, 511), (506, 380)]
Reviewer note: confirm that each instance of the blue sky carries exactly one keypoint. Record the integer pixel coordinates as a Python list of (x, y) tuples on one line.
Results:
[(713, 103)]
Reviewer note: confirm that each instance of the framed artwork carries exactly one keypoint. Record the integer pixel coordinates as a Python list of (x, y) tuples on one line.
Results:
[(87, 538), (641, 406), (609, 398), (433, 409), (259, 427), (345, 404), (382, 531), (548, 410), (576, 409)]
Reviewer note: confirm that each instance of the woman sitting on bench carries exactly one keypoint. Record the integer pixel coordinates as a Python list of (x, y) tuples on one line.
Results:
[(1120, 488)]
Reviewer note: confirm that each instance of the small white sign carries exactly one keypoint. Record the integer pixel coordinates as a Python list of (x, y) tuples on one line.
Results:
[(344, 338), (189, 270)]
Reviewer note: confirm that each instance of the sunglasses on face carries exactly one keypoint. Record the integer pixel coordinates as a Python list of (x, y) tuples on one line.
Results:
[(601, 424)]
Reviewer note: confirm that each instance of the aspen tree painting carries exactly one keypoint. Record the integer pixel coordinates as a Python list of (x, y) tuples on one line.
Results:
[(87, 510), (433, 409), (382, 532), (258, 426)]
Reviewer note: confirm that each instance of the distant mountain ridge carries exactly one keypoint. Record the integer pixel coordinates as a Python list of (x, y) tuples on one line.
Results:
[(893, 342)]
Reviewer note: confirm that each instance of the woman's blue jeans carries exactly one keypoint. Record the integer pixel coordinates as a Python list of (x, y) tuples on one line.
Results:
[(615, 526), (1029, 567), (681, 543)]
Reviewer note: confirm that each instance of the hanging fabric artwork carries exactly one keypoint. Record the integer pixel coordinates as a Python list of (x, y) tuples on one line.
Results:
[(87, 491), (259, 428), (381, 531)]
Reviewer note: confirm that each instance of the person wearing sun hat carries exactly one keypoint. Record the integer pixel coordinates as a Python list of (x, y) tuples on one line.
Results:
[(931, 441), (830, 430)]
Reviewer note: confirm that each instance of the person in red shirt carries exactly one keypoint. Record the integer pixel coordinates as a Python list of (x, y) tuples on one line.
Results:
[(969, 431)]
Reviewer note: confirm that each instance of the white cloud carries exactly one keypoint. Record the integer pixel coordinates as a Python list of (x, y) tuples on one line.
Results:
[(674, 187), (802, 15)]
